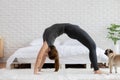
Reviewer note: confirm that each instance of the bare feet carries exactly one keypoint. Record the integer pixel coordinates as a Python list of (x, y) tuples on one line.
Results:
[(98, 72)]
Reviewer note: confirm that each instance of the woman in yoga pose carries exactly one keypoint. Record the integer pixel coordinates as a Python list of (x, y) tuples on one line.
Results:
[(74, 32)]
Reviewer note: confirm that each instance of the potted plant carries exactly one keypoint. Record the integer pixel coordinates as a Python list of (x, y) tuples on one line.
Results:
[(114, 33)]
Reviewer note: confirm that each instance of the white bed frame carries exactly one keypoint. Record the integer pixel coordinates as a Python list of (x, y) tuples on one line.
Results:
[(78, 59)]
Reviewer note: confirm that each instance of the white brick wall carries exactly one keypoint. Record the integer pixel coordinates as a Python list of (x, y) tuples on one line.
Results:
[(23, 20)]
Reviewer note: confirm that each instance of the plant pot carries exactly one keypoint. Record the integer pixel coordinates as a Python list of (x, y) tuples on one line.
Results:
[(117, 48)]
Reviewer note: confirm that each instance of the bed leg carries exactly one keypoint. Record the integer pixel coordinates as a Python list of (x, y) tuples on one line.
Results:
[(32, 65), (106, 64), (88, 66), (12, 66), (62, 66)]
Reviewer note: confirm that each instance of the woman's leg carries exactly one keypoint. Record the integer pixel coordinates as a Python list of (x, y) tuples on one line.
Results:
[(83, 37), (93, 57), (41, 57)]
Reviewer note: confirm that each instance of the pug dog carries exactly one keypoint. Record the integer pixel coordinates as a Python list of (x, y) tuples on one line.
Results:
[(113, 59)]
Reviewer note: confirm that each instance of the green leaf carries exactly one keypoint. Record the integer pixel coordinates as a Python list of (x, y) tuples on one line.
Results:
[(114, 33)]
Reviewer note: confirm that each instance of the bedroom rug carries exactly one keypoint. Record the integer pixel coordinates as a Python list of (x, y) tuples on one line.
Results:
[(63, 74)]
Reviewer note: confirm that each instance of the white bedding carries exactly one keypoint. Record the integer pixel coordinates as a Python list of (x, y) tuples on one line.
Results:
[(69, 52), (31, 52)]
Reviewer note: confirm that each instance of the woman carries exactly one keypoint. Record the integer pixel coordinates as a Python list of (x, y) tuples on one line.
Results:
[(74, 32)]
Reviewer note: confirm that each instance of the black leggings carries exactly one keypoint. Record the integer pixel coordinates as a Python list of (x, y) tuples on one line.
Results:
[(76, 32)]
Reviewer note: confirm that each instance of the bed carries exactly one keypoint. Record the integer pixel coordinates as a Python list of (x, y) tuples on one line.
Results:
[(70, 52)]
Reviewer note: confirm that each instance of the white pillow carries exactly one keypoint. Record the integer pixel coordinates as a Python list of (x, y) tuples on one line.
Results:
[(57, 42), (39, 41), (72, 42)]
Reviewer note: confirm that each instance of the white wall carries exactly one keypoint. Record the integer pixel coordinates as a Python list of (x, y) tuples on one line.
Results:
[(24, 20)]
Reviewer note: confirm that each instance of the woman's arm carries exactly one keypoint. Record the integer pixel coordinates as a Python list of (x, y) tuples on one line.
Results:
[(41, 57)]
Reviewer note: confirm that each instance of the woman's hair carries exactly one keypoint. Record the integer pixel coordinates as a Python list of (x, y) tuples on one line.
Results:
[(53, 55)]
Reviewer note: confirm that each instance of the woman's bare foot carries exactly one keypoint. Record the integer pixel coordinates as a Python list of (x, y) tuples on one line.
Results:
[(98, 72)]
